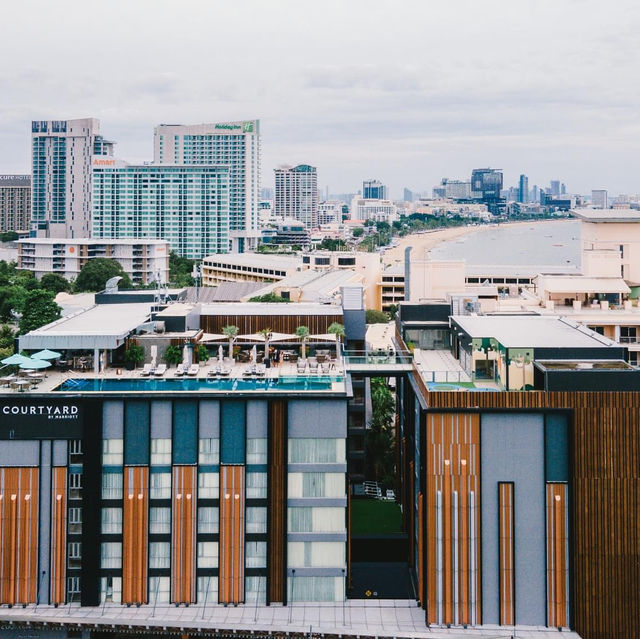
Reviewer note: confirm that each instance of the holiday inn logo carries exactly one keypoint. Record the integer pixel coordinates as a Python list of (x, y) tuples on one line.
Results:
[(246, 127)]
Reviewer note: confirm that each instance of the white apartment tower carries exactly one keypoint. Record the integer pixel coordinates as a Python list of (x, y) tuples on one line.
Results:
[(235, 145), (297, 194), (600, 199), (61, 187)]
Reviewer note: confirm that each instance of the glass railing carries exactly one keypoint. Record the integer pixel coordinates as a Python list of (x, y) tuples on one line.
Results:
[(378, 357)]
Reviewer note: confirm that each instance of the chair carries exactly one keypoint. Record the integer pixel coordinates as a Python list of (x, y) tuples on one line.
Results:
[(313, 366), (147, 369), (179, 371), (302, 366), (160, 370), (194, 369)]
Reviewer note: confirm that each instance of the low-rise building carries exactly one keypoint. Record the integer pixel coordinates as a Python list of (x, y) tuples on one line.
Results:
[(251, 267), (144, 261), (374, 210)]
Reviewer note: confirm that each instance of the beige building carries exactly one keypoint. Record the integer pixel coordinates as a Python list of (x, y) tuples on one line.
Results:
[(145, 261), (15, 202), (247, 267)]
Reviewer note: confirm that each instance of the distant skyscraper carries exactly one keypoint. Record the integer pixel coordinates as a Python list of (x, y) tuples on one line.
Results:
[(297, 194), (15, 202), (600, 199), (563, 189), (555, 187), (487, 185), (374, 190), (536, 193), (523, 189), (232, 144), (62, 162), (408, 195)]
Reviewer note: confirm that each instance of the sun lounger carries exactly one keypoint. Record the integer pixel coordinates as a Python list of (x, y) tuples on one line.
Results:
[(161, 369), (193, 370), (147, 369), (179, 371)]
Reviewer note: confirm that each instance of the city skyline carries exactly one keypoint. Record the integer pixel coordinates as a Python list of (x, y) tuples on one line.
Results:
[(450, 98)]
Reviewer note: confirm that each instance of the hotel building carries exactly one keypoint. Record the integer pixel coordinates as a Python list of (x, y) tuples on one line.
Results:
[(188, 206), (15, 202), (235, 145), (296, 194), (62, 153)]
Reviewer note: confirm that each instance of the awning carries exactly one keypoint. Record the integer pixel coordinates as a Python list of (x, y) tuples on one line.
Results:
[(584, 285)]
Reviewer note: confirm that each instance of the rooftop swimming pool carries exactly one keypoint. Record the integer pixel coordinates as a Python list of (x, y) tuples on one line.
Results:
[(98, 385)]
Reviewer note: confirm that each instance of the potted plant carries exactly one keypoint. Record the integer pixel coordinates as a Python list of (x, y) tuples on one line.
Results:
[(302, 333), (133, 356), (202, 354), (172, 355)]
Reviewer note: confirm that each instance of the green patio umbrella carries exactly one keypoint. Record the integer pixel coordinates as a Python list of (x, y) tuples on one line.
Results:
[(46, 354), (16, 359), (35, 363)]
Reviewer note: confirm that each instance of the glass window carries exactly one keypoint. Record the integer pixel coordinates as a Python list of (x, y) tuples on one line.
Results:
[(112, 485), (207, 589), (112, 452), (209, 485), (161, 452), (110, 589), (316, 519), (256, 520), (315, 588), (316, 554), (256, 451), (207, 554), (317, 451), (256, 485), (111, 555), (256, 554), (159, 554), (160, 521), (330, 485), (209, 451), (111, 521), (208, 520), (159, 589), (160, 486), (255, 589)]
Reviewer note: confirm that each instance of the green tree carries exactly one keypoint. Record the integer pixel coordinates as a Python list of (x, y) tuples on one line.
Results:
[(269, 297), (376, 317), (302, 333), (39, 309), (357, 232), (380, 437), (329, 244), (266, 333), (7, 336), (8, 236), (337, 329), (172, 355), (180, 269), (55, 283), (12, 299), (231, 332), (202, 354), (134, 355), (96, 272)]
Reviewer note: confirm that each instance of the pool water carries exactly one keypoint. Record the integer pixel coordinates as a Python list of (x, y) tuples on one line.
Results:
[(96, 385)]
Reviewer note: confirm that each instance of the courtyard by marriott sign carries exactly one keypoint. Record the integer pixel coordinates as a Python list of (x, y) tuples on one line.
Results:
[(41, 419)]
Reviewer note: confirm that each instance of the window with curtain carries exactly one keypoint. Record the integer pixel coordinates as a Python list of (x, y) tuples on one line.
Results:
[(255, 589), (110, 589), (161, 452), (300, 520), (303, 519), (160, 486), (111, 555), (207, 589), (209, 451), (330, 485), (314, 589), (111, 521), (207, 554), (208, 520), (159, 521), (313, 484), (256, 485), (317, 451), (112, 485), (255, 554), (256, 520), (159, 589), (256, 451), (209, 485), (159, 554), (112, 452), (316, 554)]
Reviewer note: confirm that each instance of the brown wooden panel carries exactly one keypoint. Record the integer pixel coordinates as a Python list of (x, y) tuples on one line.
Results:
[(135, 533), (58, 535), (557, 559), (277, 512), (19, 535), (506, 559), (317, 324), (232, 500), (183, 540)]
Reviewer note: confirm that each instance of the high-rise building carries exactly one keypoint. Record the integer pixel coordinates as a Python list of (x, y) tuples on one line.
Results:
[(62, 154), (535, 193), (374, 190), (486, 184), (330, 212), (600, 199), (523, 189), (555, 187), (232, 144), (454, 189), (15, 202), (297, 194), (186, 205), (408, 195)]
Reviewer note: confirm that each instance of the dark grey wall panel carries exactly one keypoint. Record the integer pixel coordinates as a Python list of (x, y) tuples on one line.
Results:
[(257, 418), (319, 418), (161, 420), (209, 419), (113, 420)]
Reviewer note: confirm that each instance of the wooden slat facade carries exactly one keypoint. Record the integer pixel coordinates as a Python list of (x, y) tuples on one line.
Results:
[(183, 537), (317, 324), (557, 555), (135, 533), (18, 535), (506, 568), (232, 506), (604, 508), (277, 503), (58, 535)]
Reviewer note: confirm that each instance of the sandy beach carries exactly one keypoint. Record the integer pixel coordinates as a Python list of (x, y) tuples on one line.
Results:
[(422, 242)]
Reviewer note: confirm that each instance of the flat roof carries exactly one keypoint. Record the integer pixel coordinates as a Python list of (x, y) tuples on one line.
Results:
[(582, 284), (518, 270), (255, 259), (532, 331), (104, 326), (584, 365), (270, 308), (88, 241), (607, 215)]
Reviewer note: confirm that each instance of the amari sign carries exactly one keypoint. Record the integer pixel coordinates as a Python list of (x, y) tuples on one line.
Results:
[(33, 419)]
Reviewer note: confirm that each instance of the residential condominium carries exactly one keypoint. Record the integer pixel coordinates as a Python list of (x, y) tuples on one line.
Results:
[(297, 194), (15, 202), (62, 160), (144, 261), (232, 144), (186, 205)]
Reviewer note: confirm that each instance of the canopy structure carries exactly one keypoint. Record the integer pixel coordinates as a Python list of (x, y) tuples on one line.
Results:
[(212, 337), (322, 337), (274, 337), (34, 363), (46, 354)]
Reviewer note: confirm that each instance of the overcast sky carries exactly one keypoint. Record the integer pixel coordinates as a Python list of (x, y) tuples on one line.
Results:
[(407, 92)]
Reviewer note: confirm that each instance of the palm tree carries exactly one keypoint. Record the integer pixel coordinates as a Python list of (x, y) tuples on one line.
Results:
[(337, 329), (266, 333), (302, 333), (231, 332)]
